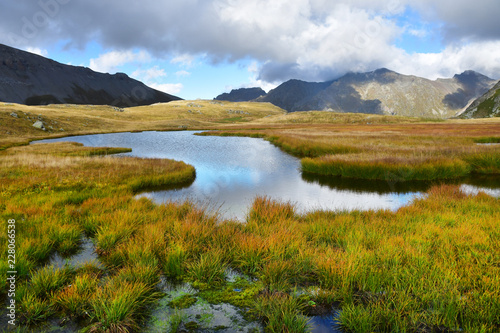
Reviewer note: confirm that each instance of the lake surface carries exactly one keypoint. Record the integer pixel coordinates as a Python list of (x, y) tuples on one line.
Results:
[(232, 171)]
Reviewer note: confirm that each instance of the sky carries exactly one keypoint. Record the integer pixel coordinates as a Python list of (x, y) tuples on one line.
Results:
[(202, 48)]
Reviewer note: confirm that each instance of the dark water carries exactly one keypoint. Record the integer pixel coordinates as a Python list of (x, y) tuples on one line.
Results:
[(232, 171)]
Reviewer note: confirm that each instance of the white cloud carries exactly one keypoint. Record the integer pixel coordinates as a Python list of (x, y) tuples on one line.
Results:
[(483, 57), (182, 73), (169, 88), (420, 33), (149, 74), (36, 50), (185, 60), (111, 61)]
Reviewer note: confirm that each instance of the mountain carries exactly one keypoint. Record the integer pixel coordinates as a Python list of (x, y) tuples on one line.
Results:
[(486, 106), (241, 95), (27, 78), (383, 92), (292, 93)]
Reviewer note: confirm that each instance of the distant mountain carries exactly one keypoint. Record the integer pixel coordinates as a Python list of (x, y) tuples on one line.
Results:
[(27, 78), (291, 94), (486, 106), (383, 92), (241, 95)]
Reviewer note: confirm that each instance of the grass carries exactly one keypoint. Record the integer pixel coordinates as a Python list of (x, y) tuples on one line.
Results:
[(397, 169), (118, 307), (75, 298), (429, 266), (282, 313), (48, 280), (208, 270), (65, 119)]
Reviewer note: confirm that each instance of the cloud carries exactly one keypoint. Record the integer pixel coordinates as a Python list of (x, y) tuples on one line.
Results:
[(37, 50), (305, 39), (182, 73), (463, 19), (109, 62), (169, 88), (185, 60), (483, 57), (149, 74)]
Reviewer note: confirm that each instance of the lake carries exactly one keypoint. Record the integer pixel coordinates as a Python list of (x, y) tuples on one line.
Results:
[(232, 171)]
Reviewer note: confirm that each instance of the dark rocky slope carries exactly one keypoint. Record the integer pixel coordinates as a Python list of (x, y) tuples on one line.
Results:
[(27, 78), (241, 95)]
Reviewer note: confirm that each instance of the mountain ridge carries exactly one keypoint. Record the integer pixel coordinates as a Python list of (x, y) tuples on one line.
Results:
[(31, 79), (383, 92), (241, 95)]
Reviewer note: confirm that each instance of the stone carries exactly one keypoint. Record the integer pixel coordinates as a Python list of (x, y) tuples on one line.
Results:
[(38, 124), (13, 114)]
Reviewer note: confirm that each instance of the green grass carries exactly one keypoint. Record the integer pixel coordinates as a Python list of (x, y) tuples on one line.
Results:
[(391, 168), (490, 139), (34, 310), (75, 299), (118, 307), (208, 270), (48, 280), (282, 313)]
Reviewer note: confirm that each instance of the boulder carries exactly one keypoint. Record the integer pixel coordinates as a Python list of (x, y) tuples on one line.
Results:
[(38, 124)]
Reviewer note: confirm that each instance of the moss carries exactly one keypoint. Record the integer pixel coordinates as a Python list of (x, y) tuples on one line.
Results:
[(183, 302), (241, 293)]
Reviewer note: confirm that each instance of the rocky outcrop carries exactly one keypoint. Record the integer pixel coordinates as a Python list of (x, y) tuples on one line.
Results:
[(383, 92), (486, 106), (241, 95), (30, 79)]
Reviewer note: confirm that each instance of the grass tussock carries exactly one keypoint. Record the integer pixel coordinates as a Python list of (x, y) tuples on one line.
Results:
[(118, 307), (282, 313)]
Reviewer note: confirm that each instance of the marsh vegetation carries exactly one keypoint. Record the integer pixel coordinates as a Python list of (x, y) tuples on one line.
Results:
[(432, 265)]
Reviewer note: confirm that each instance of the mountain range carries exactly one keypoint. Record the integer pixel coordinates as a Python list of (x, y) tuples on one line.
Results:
[(383, 92), (31, 79)]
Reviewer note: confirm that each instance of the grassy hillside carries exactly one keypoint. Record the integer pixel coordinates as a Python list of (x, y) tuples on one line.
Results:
[(16, 120)]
